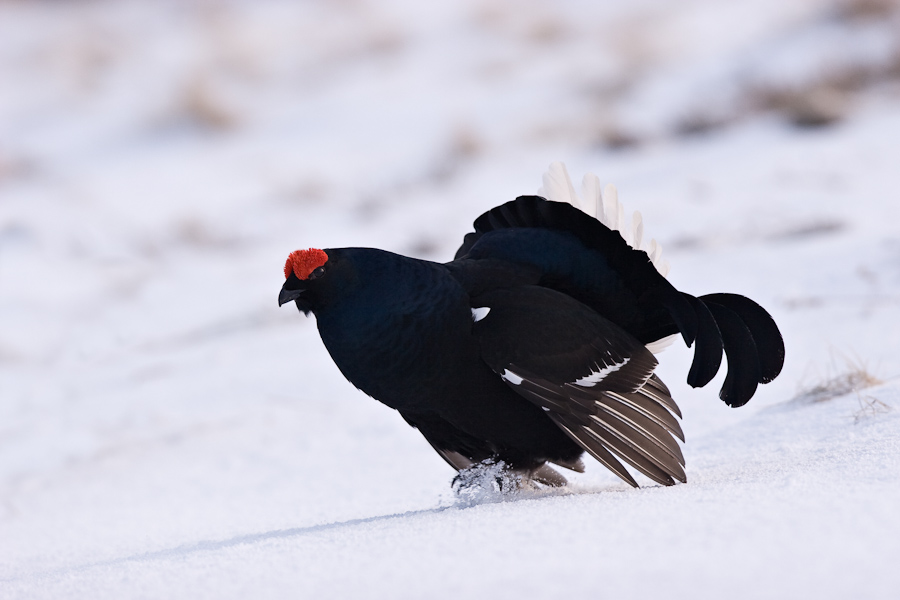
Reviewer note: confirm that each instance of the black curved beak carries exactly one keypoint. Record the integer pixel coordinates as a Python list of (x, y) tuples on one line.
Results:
[(286, 295)]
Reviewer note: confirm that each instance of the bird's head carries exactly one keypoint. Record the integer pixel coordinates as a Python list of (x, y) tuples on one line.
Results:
[(305, 272), (341, 278)]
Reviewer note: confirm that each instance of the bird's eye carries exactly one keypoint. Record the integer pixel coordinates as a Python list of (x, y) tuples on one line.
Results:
[(317, 272)]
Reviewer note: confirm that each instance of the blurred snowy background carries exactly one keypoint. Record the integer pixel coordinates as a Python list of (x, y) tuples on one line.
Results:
[(167, 431)]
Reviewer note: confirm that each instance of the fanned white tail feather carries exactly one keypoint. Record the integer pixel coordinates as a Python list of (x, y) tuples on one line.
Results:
[(605, 207), (590, 190), (558, 186)]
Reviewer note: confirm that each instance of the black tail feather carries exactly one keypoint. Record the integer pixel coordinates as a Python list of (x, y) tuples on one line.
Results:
[(749, 337), (685, 315), (769, 343), (708, 351), (740, 350)]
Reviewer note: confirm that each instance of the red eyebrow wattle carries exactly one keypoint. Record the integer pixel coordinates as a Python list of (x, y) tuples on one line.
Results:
[(303, 262)]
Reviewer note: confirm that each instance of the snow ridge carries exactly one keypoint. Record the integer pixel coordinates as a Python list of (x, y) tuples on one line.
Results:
[(605, 207)]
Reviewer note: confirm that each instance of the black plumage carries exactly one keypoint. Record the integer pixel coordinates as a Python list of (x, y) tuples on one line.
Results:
[(529, 347)]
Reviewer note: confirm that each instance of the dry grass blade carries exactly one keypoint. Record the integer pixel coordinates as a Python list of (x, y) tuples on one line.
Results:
[(854, 380), (869, 406)]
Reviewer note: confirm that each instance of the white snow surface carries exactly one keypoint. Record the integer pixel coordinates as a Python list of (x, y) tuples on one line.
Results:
[(166, 431)]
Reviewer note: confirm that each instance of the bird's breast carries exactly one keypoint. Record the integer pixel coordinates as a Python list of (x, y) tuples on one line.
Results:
[(399, 347)]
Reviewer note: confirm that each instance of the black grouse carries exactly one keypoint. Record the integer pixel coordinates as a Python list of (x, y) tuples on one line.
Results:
[(531, 346)]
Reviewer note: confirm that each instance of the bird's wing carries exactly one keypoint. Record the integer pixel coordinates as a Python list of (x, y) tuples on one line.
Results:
[(594, 380), (579, 256)]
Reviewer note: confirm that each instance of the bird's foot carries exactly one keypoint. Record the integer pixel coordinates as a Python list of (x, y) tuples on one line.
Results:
[(486, 481), (494, 481)]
